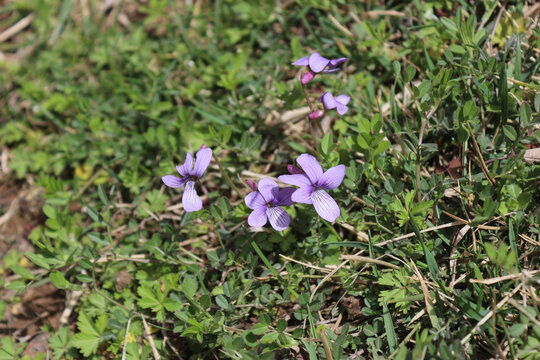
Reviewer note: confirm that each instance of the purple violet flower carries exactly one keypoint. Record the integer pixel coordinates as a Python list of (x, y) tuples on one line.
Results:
[(340, 102), (189, 175), (266, 204), (312, 186), (317, 64)]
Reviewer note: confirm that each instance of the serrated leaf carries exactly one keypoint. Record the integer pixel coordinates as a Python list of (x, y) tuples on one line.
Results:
[(87, 343)]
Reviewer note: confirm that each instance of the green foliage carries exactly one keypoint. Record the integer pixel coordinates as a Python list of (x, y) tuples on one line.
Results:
[(442, 111)]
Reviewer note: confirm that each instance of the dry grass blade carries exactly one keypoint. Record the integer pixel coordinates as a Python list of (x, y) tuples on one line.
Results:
[(365, 259), (490, 314)]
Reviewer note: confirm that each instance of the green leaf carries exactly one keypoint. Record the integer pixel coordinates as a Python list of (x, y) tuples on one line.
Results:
[(222, 302), (525, 113), (281, 325), (189, 287), (327, 144), (259, 329), (96, 216), (510, 132), (389, 327), (410, 72), (490, 252), (37, 259), (25, 273), (58, 280)]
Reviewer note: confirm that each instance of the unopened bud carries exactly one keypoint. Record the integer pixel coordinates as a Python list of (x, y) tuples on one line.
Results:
[(317, 114), (307, 77), (251, 184), (294, 170)]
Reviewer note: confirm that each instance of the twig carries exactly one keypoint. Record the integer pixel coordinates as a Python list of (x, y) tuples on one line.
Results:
[(124, 350), (326, 345), (480, 157), (148, 337), (15, 28), (73, 299), (368, 260), (525, 273), (455, 223), (490, 314)]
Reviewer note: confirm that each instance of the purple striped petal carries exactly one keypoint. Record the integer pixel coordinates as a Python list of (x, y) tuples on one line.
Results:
[(311, 167), (328, 100), (257, 218), (279, 219), (303, 195), (317, 63), (342, 109), (202, 160), (344, 99), (325, 205), (332, 177), (283, 197), (185, 169), (301, 62), (295, 180), (190, 200), (173, 181), (254, 200)]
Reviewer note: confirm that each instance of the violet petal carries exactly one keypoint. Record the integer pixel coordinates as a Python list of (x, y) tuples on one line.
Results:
[(257, 218), (302, 61), (328, 101), (268, 189), (344, 99), (279, 219), (342, 109), (254, 200), (190, 200), (336, 62), (325, 205), (173, 181), (311, 167), (283, 197), (185, 169), (332, 177), (295, 180), (317, 63), (303, 195), (202, 160)]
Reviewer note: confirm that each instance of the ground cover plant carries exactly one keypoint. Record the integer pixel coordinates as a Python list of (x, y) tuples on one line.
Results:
[(244, 179)]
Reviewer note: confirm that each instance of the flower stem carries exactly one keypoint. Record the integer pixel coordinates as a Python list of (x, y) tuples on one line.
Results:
[(313, 125)]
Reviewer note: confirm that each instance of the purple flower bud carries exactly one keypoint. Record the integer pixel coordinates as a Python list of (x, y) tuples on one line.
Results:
[(294, 170), (251, 184), (307, 77), (317, 114)]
